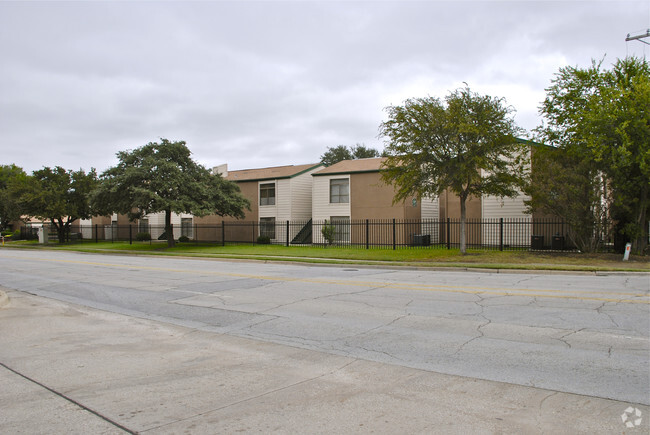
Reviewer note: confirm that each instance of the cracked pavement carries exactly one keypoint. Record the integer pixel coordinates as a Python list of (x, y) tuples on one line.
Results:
[(582, 334)]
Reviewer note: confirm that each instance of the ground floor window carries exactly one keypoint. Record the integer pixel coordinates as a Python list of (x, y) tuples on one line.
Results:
[(186, 227), (267, 227), (342, 228), (143, 226)]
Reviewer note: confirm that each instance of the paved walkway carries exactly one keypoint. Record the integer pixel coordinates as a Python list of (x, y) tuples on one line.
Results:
[(70, 369)]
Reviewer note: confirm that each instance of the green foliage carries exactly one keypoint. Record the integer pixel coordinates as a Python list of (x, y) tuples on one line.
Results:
[(600, 118), (341, 152), (465, 144), (563, 185), (162, 177), (143, 237), (59, 195), (263, 240), (13, 182), (183, 239), (328, 230)]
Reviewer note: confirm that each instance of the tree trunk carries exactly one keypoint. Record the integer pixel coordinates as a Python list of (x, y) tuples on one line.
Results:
[(168, 229), (463, 229), (60, 230), (640, 244)]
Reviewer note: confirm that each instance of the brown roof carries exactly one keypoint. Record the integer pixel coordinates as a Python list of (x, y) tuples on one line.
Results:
[(351, 166), (269, 173)]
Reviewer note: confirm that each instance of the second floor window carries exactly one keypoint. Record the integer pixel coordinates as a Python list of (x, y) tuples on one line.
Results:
[(339, 190), (267, 194)]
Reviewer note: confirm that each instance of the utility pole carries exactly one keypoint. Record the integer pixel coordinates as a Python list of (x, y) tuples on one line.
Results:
[(639, 37)]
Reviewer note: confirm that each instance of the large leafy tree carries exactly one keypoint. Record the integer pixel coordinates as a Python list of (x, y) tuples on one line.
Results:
[(60, 196), (12, 180), (162, 177), (341, 152), (563, 184), (465, 143), (601, 119)]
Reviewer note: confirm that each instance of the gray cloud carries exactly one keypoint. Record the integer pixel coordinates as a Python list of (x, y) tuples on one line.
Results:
[(270, 83)]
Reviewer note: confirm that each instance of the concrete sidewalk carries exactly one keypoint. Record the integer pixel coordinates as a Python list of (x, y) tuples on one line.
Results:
[(70, 369)]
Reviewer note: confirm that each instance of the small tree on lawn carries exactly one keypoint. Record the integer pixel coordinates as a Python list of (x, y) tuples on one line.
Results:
[(465, 144), (162, 177)]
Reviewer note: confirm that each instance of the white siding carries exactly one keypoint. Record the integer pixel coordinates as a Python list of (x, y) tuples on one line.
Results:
[(430, 208), (270, 210), (157, 223), (430, 213), (283, 199), (507, 208), (321, 207), (301, 195), (494, 207)]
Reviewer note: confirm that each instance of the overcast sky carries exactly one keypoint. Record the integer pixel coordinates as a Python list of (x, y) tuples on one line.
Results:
[(269, 83)]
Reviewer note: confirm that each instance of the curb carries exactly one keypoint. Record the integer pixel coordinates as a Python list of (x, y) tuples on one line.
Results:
[(4, 299)]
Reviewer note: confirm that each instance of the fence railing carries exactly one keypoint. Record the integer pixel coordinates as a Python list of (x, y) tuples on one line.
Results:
[(492, 234)]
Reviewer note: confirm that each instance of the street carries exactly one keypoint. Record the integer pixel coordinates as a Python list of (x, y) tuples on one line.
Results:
[(585, 334)]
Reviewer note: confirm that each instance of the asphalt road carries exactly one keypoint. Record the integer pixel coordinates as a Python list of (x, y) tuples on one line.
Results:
[(581, 334)]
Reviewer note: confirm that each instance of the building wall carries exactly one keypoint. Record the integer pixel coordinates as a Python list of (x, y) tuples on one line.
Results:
[(321, 207), (372, 199), (301, 195), (281, 196), (510, 208), (450, 208)]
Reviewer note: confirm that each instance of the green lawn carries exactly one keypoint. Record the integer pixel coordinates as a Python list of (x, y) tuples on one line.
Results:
[(420, 257)]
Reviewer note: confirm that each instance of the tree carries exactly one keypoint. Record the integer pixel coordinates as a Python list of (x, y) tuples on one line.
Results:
[(60, 196), (601, 118), (162, 177), (466, 144), (561, 184), (12, 178), (341, 152)]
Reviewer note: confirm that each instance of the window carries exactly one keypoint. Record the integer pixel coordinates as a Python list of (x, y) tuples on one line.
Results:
[(186, 227), (267, 194), (267, 227), (339, 191), (143, 226), (342, 228)]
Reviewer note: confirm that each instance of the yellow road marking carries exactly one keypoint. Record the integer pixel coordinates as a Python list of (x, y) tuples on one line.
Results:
[(471, 290)]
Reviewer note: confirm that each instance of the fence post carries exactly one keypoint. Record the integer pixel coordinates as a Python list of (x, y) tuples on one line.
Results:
[(448, 234), (223, 233), (130, 235), (287, 232), (500, 234), (96, 233), (393, 234), (367, 235)]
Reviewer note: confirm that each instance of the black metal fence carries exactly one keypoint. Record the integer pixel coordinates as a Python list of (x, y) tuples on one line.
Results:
[(490, 234)]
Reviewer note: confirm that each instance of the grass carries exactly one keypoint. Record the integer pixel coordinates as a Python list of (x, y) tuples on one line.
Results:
[(415, 257)]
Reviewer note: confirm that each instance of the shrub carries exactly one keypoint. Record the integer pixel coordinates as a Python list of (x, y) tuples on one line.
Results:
[(328, 231), (183, 239), (263, 240), (143, 237)]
